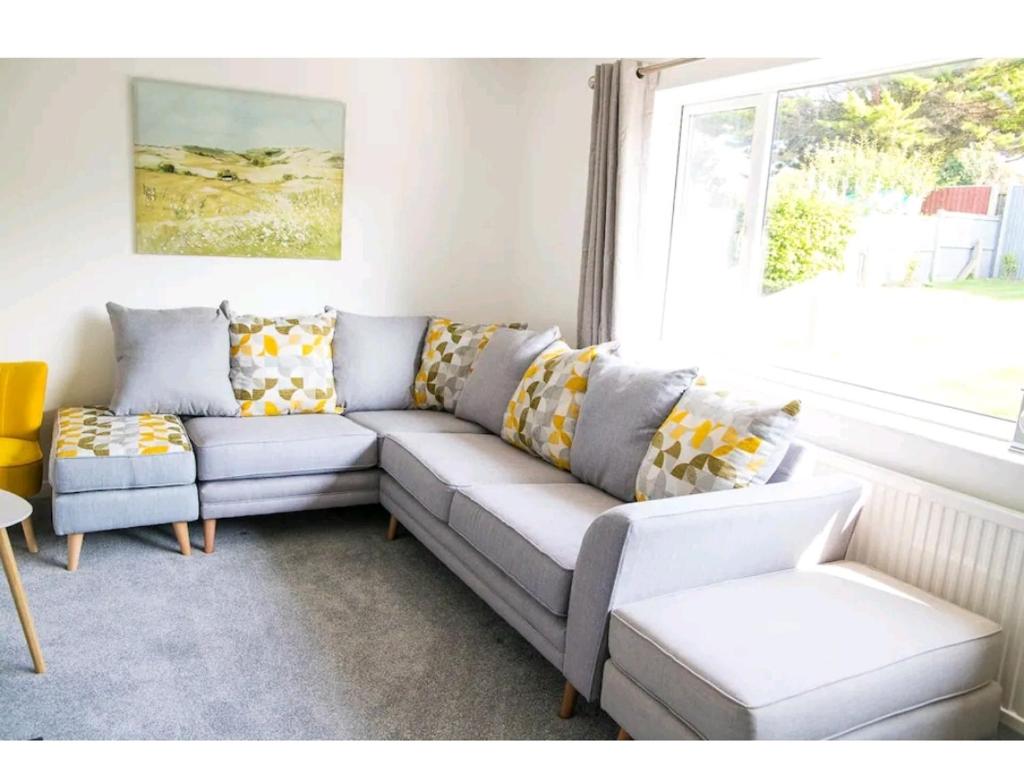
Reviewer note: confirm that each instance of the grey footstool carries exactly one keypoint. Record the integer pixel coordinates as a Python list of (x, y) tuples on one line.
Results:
[(836, 651), (111, 472)]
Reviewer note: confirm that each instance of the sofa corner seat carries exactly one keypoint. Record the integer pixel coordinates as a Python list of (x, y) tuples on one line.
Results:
[(482, 507)]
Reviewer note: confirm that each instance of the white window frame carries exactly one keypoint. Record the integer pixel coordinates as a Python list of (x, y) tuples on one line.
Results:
[(761, 89), (760, 156)]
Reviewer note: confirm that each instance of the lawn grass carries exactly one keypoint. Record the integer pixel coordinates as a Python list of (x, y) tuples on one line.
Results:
[(989, 288)]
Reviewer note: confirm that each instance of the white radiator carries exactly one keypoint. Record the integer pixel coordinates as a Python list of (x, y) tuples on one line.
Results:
[(963, 549)]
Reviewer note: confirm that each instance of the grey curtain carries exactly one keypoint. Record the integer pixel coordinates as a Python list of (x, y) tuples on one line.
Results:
[(595, 312), (611, 281)]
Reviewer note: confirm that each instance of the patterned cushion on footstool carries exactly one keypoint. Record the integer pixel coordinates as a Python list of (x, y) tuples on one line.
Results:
[(93, 431), (95, 450)]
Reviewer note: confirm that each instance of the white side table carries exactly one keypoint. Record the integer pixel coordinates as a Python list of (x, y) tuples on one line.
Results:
[(14, 509)]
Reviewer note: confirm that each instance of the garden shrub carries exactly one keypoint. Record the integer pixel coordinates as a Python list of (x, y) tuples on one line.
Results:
[(807, 235), (1008, 269)]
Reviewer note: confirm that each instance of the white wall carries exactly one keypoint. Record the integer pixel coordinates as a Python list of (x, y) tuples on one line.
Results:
[(555, 106), (432, 180)]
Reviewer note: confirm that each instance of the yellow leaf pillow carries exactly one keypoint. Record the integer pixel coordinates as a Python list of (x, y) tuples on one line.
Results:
[(541, 416), (449, 351), (282, 365), (712, 442)]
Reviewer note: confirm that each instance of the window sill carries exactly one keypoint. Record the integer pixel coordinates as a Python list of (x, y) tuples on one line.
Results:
[(969, 453)]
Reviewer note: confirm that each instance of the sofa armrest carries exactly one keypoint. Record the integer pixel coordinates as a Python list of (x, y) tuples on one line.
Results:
[(640, 550)]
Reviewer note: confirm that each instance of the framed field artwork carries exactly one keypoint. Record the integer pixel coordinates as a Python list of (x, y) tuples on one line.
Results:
[(220, 172)]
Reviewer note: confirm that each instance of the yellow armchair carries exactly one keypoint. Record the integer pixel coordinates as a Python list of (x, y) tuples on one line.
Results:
[(22, 391)]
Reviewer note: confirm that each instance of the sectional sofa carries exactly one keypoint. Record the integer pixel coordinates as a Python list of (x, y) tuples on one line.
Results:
[(543, 523)]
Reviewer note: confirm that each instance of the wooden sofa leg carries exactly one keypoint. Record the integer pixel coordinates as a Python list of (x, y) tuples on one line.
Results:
[(181, 532), (30, 535), (392, 529), (624, 735), (209, 535), (74, 549), (568, 701)]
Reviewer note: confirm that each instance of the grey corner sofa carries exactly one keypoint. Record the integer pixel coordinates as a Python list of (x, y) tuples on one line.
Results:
[(543, 549)]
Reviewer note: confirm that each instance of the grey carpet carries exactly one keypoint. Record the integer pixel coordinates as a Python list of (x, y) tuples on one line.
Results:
[(305, 626)]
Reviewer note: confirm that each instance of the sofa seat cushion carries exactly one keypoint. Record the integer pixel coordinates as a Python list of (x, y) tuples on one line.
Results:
[(432, 467), (274, 446), (94, 450), (808, 653), (533, 533), (386, 423)]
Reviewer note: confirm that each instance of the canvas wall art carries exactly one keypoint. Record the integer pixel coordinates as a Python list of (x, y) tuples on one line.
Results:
[(221, 172)]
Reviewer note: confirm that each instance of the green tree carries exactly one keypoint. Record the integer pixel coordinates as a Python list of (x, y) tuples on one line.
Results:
[(941, 112)]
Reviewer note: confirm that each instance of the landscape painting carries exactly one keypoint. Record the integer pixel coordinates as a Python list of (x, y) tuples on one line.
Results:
[(221, 172)]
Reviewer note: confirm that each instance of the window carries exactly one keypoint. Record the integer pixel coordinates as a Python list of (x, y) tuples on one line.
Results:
[(867, 230)]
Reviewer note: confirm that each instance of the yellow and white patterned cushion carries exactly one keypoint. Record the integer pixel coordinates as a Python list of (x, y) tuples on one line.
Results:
[(449, 351), (712, 442), (282, 365), (91, 432), (541, 416)]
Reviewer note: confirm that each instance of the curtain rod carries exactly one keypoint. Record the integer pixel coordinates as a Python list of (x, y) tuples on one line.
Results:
[(646, 69)]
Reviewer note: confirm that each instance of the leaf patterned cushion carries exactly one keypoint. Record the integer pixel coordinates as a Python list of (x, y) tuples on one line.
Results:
[(282, 365), (449, 352), (91, 432), (541, 416), (712, 441)]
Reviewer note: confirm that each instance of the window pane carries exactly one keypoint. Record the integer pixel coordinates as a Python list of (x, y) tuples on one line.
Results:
[(894, 234), (714, 186)]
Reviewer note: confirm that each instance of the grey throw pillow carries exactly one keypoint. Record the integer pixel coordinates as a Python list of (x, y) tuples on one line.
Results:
[(375, 360), (496, 373), (624, 406), (171, 361)]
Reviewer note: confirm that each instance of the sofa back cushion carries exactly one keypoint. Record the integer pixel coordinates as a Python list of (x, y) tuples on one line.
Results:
[(375, 360), (497, 372), (625, 406), (448, 356), (541, 416), (712, 441), (282, 365), (171, 361)]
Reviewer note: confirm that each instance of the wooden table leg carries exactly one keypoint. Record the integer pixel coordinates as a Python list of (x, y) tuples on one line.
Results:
[(20, 601), (30, 535)]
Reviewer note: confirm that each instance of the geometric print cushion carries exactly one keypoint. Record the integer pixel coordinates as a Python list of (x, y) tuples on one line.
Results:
[(90, 432), (542, 414), (282, 365), (449, 351), (713, 442)]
